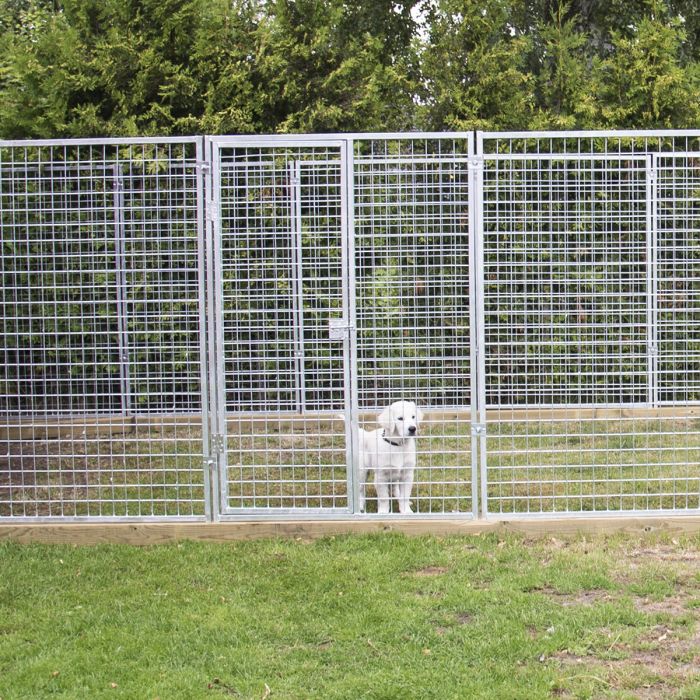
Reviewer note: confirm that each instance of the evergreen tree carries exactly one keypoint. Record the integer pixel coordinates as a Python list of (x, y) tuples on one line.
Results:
[(474, 67), (147, 67), (642, 83)]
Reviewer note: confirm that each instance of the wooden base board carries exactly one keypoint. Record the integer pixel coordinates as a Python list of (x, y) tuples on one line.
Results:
[(161, 533), (80, 428)]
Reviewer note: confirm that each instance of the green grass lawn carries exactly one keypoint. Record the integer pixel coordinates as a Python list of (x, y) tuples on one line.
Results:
[(353, 617)]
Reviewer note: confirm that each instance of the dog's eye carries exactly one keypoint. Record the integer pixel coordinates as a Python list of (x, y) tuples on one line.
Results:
[(400, 418)]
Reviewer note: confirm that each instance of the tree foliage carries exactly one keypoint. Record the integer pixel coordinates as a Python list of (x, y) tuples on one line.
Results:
[(127, 67)]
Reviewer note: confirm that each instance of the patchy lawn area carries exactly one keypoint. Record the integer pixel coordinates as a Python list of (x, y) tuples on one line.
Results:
[(383, 616)]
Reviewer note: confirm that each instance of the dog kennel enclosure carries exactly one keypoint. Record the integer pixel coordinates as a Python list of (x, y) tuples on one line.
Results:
[(195, 328)]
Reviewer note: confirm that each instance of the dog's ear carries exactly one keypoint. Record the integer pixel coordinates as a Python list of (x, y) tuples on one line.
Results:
[(386, 420), (419, 415)]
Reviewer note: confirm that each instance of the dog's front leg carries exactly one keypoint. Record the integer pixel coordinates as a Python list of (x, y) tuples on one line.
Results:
[(362, 500), (405, 488), (396, 492), (383, 497)]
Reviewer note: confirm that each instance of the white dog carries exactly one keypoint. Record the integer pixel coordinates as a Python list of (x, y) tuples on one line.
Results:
[(391, 452)]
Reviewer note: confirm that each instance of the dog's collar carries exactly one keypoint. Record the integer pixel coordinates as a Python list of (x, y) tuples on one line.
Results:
[(391, 442)]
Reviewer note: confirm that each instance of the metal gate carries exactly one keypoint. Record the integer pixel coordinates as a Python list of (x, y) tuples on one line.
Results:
[(282, 326), (413, 237), (340, 282)]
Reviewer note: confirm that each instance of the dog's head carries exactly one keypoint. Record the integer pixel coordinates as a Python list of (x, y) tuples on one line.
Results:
[(401, 419)]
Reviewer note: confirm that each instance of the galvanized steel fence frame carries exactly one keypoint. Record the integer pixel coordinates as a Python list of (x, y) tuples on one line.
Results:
[(588, 373), (245, 304), (104, 376)]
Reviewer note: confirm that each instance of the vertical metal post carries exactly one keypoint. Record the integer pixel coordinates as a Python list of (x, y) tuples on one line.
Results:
[(477, 335), (297, 274), (203, 192), (652, 282), (215, 334), (349, 313), (122, 324)]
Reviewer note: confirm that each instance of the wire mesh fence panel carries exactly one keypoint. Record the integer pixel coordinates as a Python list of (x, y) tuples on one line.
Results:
[(100, 313), (412, 303), (589, 365), (535, 295), (282, 237)]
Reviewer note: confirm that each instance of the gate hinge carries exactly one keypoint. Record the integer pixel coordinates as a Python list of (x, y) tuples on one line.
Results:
[(476, 162), (339, 329), (478, 429)]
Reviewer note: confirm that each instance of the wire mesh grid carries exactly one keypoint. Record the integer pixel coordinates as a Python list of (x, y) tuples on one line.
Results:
[(542, 296), (101, 400), (589, 310), (677, 215), (412, 303), (282, 236)]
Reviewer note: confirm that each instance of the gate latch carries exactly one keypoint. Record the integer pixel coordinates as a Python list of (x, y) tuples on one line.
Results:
[(218, 444), (339, 329)]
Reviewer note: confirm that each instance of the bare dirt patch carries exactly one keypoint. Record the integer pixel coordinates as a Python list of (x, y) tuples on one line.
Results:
[(581, 598), (431, 571), (661, 656), (682, 562), (674, 606), (654, 674), (645, 674), (464, 618), (665, 553), (585, 598)]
